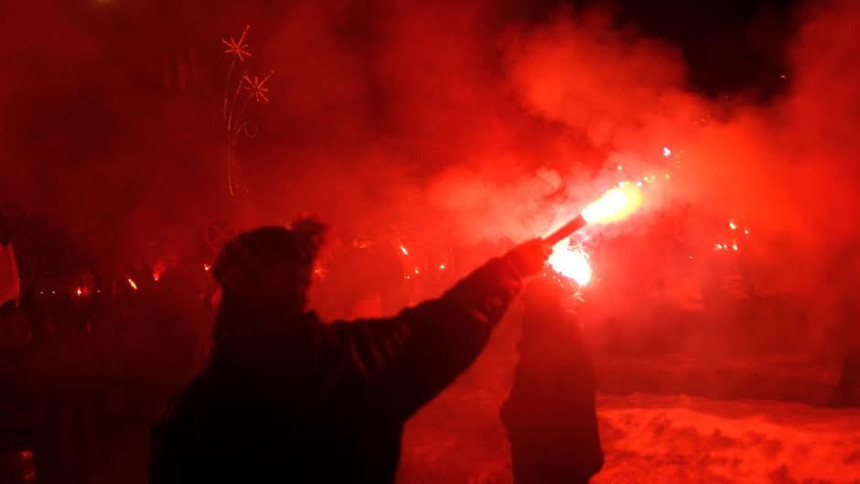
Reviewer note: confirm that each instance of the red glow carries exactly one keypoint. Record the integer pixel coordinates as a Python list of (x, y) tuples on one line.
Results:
[(207, 267)]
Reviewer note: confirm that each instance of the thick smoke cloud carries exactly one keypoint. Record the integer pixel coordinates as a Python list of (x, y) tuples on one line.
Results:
[(433, 122)]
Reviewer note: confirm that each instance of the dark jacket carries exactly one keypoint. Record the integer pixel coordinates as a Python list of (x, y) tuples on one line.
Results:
[(306, 401), (550, 415)]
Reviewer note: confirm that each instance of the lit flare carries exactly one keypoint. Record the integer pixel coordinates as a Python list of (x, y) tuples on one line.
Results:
[(614, 205)]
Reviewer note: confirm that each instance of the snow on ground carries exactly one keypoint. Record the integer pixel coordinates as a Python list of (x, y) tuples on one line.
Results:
[(683, 439), (648, 439)]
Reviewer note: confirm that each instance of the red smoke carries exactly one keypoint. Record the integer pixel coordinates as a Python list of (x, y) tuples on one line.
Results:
[(444, 124)]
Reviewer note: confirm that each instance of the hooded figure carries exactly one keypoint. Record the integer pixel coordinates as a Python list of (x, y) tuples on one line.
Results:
[(550, 415), (286, 397)]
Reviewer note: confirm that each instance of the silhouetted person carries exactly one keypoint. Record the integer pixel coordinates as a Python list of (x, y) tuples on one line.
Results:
[(286, 397), (847, 390), (550, 415)]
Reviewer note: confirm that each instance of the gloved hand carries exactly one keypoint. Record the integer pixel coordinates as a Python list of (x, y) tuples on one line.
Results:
[(529, 257)]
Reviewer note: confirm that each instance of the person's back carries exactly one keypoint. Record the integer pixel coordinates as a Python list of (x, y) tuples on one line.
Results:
[(550, 414), (286, 397), (281, 405)]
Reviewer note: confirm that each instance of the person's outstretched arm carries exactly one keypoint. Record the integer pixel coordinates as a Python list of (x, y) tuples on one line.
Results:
[(412, 357)]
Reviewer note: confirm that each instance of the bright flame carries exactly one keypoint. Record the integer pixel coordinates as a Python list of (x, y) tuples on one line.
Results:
[(616, 204), (132, 283), (571, 262)]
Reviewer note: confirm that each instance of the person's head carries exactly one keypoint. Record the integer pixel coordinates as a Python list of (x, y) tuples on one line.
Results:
[(268, 270)]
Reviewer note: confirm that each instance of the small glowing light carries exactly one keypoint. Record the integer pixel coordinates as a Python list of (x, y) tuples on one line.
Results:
[(639, 184), (571, 262), (667, 176), (441, 267), (746, 231), (732, 225), (403, 249), (132, 283), (719, 247), (207, 267), (620, 168), (416, 271), (735, 247), (79, 291), (691, 257), (667, 152)]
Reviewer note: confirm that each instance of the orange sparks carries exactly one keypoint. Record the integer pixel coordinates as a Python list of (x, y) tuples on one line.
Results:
[(132, 283), (571, 262), (616, 204)]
